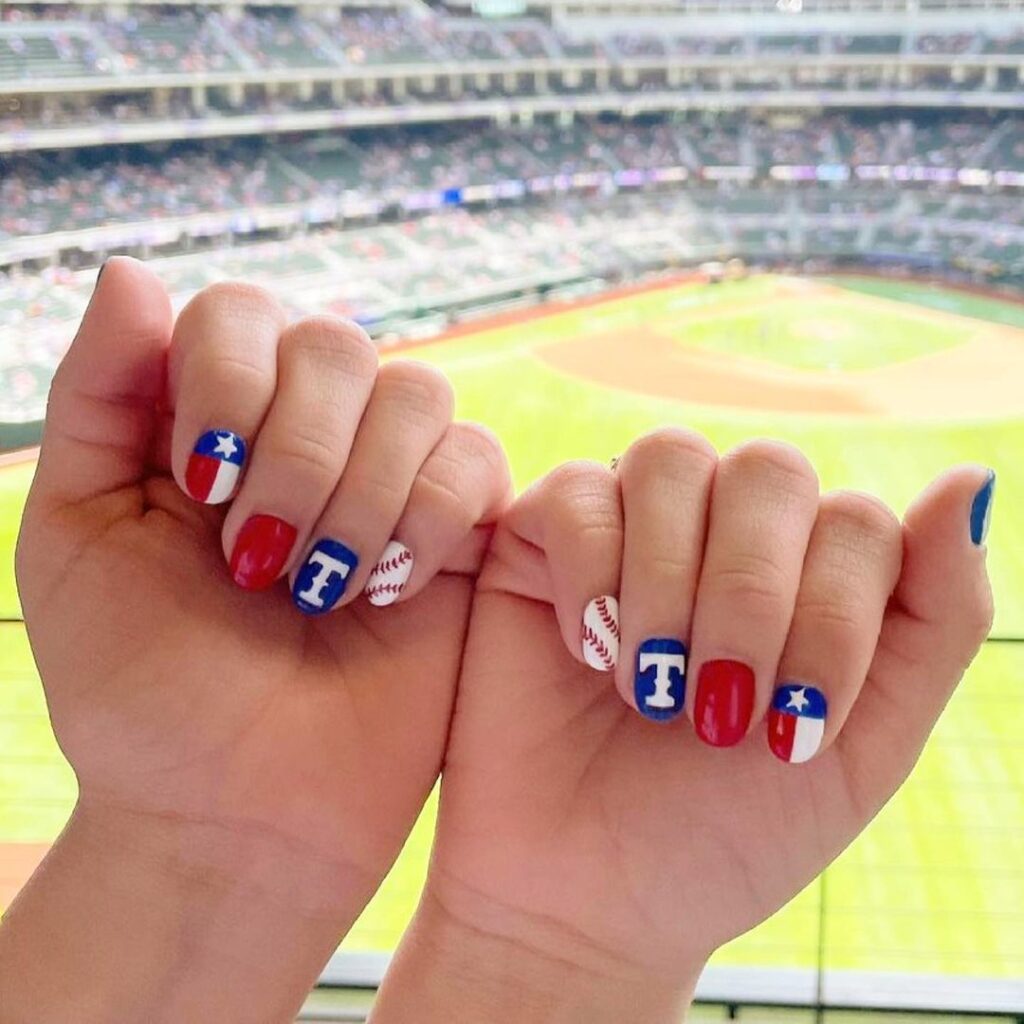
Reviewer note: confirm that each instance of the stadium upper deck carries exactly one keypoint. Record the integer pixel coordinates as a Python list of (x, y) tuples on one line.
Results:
[(325, 64), (114, 89)]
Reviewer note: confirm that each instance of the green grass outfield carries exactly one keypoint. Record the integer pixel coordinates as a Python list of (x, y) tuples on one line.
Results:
[(937, 882)]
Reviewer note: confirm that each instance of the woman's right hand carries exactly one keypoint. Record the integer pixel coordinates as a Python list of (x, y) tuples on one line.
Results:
[(596, 839)]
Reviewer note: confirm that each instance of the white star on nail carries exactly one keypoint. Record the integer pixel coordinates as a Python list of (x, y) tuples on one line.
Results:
[(225, 445), (798, 699)]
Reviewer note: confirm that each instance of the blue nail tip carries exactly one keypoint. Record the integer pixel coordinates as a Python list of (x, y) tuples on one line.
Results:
[(221, 444), (323, 579), (801, 700), (660, 681), (981, 510)]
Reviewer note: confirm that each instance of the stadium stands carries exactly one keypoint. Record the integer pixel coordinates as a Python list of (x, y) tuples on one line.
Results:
[(43, 193), (162, 129)]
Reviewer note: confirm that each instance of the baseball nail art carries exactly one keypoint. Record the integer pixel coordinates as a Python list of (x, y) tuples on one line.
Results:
[(796, 722), (261, 551), (215, 466), (981, 510), (600, 634), (323, 578), (724, 702), (660, 683), (390, 575)]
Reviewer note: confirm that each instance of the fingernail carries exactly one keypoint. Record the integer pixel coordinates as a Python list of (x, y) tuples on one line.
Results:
[(600, 633), (99, 274), (261, 551), (389, 576), (660, 682), (323, 578), (724, 702), (981, 510), (796, 722), (215, 466)]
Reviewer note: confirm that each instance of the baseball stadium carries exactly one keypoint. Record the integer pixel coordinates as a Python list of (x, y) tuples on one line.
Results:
[(800, 219)]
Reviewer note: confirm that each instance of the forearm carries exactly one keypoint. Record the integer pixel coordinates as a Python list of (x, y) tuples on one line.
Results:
[(121, 923), (446, 972)]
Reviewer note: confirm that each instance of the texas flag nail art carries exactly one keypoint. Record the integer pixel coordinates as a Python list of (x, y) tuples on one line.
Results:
[(215, 466), (796, 722)]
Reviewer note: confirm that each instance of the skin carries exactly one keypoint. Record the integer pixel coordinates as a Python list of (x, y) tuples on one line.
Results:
[(247, 774), (587, 860)]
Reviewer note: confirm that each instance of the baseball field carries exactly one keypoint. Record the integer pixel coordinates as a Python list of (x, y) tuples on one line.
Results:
[(883, 384)]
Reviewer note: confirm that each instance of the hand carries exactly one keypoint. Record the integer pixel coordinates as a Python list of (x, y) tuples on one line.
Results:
[(280, 754), (590, 839)]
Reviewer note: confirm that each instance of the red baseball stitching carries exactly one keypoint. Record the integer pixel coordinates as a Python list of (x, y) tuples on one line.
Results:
[(384, 588), (589, 636), (392, 563), (606, 617)]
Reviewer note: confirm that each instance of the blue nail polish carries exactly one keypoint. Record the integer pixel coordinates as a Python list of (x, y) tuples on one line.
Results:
[(323, 578), (981, 510), (660, 682)]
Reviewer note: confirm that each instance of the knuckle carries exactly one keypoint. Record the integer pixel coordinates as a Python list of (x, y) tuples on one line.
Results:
[(440, 477), (475, 441), (237, 299), (422, 392), (244, 370), (587, 493), (783, 466), (578, 477), (862, 519), (379, 490), (668, 450), (754, 582), (832, 615), (333, 343), (308, 450)]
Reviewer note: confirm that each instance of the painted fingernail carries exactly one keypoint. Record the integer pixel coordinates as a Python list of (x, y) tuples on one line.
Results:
[(215, 466), (796, 722), (660, 684), (981, 510), (323, 578), (724, 702), (600, 634), (261, 551), (389, 576)]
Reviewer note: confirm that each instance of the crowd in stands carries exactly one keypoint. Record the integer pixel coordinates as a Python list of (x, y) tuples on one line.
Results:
[(47, 192), (66, 41)]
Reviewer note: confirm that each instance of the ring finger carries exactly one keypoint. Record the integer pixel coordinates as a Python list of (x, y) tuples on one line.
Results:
[(407, 416)]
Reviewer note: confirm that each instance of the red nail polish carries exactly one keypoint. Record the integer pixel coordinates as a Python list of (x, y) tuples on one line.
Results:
[(724, 702), (261, 550)]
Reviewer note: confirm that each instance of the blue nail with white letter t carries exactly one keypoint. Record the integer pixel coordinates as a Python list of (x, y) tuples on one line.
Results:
[(660, 684), (323, 579)]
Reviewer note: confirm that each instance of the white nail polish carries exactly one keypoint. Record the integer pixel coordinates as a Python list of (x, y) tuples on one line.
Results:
[(390, 575), (600, 634)]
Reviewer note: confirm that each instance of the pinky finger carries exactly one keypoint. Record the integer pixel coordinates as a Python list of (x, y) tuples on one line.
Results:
[(463, 485)]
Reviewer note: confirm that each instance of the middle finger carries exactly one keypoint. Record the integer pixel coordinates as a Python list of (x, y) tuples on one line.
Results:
[(763, 508)]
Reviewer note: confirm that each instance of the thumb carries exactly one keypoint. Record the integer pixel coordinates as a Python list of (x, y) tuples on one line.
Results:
[(103, 401), (938, 617)]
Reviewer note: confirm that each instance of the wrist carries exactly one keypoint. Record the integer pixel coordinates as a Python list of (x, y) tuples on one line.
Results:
[(447, 969), (145, 918)]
